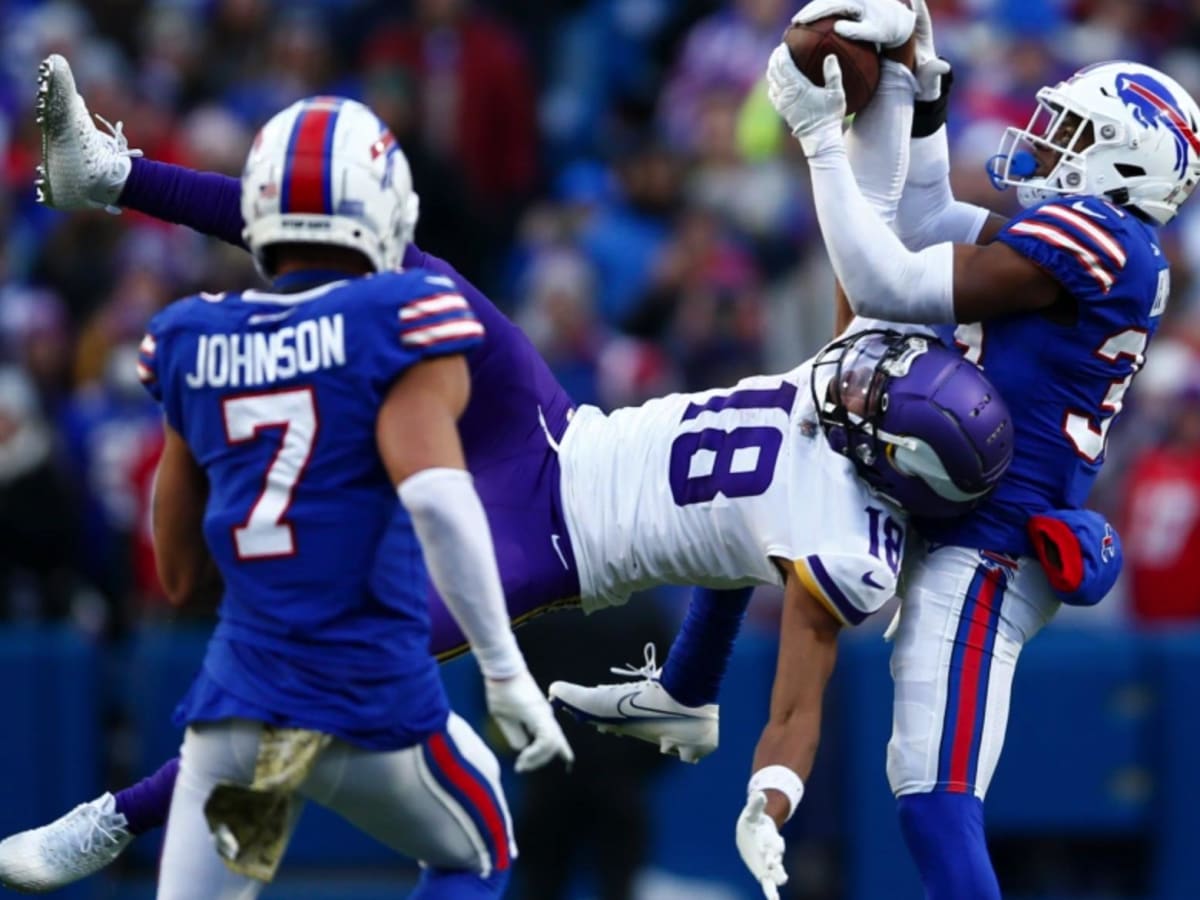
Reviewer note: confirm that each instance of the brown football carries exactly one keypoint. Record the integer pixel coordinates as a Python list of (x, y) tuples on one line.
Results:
[(811, 43)]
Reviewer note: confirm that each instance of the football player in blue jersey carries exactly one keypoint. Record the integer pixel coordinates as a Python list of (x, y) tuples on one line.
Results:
[(293, 418), (1058, 305)]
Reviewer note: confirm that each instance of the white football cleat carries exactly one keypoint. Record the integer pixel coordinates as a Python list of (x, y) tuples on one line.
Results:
[(72, 847), (81, 165), (644, 710)]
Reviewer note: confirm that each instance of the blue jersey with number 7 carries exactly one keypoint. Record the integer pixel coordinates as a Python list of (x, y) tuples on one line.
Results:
[(1064, 376), (324, 621)]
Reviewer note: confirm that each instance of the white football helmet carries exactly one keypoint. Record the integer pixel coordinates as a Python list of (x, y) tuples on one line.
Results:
[(326, 170), (1118, 130)]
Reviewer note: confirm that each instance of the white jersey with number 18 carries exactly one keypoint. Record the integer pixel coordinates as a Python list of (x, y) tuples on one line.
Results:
[(710, 488)]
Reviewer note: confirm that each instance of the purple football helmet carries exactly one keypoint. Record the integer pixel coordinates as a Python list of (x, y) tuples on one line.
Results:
[(923, 426)]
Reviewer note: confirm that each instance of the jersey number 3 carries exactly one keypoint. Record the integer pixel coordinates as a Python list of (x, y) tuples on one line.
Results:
[(264, 534), (736, 463), (1089, 433)]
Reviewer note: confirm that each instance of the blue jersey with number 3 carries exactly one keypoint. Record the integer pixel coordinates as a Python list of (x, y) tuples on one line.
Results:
[(324, 620), (1064, 381)]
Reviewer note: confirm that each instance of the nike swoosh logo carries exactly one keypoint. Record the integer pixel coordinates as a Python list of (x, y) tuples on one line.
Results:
[(1081, 207), (259, 318), (558, 550), (628, 707), (869, 580)]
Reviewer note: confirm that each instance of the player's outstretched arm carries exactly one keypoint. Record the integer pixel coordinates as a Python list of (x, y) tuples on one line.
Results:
[(928, 213), (185, 568), (945, 283), (785, 752), (417, 437)]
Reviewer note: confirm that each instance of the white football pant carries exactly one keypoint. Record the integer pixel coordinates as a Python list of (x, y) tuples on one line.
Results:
[(964, 617), (440, 803)]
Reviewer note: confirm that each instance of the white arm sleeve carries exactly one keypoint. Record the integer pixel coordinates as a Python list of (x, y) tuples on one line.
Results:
[(453, 530), (882, 278), (928, 212), (877, 142)]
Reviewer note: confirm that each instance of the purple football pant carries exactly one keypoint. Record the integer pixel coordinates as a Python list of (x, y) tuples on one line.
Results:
[(520, 494)]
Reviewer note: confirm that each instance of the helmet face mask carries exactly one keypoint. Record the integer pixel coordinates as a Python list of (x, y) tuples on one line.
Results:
[(922, 426), (1120, 130), (327, 171)]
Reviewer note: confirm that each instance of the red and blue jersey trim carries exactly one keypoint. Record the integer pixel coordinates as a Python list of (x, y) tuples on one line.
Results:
[(970, 672), (442, 320), (145, 363), (1081, 232), (307, 183)]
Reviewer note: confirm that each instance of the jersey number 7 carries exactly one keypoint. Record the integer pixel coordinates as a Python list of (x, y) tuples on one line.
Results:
[(265, 534)]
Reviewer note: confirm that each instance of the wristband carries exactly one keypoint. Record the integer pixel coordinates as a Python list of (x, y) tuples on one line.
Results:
[(778, 778), (930, 115)]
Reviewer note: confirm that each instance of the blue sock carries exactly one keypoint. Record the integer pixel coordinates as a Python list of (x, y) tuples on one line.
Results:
[(700, 654), (944, 833), (455, 884)]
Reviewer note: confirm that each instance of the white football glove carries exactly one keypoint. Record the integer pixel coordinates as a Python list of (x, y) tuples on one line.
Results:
[(929, 69), (760, 845), (888, 23), (523, 712), (807, 108)]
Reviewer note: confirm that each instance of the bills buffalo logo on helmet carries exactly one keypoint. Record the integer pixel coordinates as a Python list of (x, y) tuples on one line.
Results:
[(1153, 106)]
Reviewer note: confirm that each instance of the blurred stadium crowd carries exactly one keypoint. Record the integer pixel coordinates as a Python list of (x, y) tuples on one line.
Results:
[(604, 169), (607, 172)]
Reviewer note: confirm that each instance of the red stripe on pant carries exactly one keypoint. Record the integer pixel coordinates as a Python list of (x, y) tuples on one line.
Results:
[(968, 692), (476, 792), (306, 188)]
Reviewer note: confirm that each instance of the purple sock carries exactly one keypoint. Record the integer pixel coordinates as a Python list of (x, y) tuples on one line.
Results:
[(145, 805), (700, 654), (204, 201)]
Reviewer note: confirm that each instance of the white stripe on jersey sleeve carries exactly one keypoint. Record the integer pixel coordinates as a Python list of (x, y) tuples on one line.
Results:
[(438, 303), (1059, 238), (1103, 239), (445, 331)]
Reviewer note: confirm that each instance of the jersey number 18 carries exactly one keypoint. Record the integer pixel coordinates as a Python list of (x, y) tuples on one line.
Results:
[(736, 463)]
